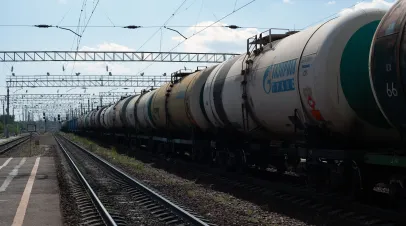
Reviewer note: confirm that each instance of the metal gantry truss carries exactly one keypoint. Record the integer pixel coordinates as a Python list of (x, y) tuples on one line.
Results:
[(48, 97), (97, 56), (107, 98), (52, 104), (86, 81)]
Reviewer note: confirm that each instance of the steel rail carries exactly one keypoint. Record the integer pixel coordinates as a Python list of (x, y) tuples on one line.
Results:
[(168, 204), (20, 139), (96, 201)]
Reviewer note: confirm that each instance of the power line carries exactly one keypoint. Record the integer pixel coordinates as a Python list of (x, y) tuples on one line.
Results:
[(331, 15), (127, 26), (234, 11), (87, 24), (160, 28)]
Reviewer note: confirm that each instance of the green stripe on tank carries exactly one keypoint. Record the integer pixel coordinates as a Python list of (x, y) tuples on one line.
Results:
[(354, 74)]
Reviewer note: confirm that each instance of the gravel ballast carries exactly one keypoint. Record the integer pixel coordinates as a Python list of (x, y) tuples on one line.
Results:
[(218, 207), (70, 211), (41, 145)]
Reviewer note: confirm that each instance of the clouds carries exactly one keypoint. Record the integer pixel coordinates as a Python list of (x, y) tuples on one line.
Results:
[(331, 2), (62, 1), (378, 4), (216, 39), (288, 1)]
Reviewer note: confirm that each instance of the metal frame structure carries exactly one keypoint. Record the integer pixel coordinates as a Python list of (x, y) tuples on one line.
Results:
[(101, 56), (112, 97), (48, 97), (86, 81)]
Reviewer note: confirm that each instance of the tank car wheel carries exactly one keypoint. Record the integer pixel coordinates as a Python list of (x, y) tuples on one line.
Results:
[(395, 191), (236, 159), (360, 186), (242, 160), (197, 154), (397, 194), (151, 145)]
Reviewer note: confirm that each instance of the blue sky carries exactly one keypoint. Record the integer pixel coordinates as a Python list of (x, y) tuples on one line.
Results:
[(259, 14)]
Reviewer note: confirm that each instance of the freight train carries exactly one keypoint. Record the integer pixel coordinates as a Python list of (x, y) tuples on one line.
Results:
[(328, 99)]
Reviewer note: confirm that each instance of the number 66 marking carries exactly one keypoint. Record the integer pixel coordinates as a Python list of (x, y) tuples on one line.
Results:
[(391, 91)]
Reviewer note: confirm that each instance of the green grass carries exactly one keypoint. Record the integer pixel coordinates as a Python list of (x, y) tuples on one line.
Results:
[(110, 154)]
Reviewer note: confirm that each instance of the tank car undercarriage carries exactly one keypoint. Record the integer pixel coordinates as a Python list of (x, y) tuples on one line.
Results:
[(350, 171)]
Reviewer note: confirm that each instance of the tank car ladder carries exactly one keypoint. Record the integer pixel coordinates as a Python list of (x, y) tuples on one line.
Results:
[(254, 45)]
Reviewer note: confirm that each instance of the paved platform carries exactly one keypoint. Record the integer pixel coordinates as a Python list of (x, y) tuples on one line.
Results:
[(29, 192)]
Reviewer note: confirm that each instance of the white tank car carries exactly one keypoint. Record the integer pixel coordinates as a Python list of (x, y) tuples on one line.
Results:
[(102, 117), (323, 73), (118, 108), (97, 118), (108, 117), (194, 99), (223, 96), (130, 111), (208, 98), (123, 112), (144, 115), (92, 119)]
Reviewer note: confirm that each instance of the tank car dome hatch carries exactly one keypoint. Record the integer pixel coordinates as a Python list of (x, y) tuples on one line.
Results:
[(388, 65)]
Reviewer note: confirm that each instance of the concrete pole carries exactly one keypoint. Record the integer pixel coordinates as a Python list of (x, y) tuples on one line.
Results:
[(8, 111)]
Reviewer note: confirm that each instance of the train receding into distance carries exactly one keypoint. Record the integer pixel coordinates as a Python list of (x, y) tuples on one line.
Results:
[(330, 98)]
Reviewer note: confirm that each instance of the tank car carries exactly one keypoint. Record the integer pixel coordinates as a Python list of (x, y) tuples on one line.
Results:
[(98, 114), (388, 66), (316, 78), (144, 112), (116, 114), (318, 94), (108, 117), (130, 112), (177, 106), (387, 77)]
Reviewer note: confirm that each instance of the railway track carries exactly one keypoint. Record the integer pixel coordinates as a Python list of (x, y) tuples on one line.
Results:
[(7, 146), (293, 196), (120, 199)]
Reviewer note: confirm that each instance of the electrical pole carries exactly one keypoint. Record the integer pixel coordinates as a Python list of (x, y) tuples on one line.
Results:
[(4, 117), (88, 105), (8, 112), (101, 101)]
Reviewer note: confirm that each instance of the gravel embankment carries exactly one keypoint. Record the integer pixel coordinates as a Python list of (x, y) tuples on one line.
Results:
[(69, 209), (218, 207)]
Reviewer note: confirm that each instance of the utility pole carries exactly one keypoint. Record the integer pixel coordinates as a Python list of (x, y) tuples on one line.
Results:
[(7, 110), (88, 105), (101, 101), (4, 117)]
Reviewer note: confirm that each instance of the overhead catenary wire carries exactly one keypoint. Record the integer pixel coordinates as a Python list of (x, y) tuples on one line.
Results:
[(332, 15), (160, 28), (130, 26), (206, 27)]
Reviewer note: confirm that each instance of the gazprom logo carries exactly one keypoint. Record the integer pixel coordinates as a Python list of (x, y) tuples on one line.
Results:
[(274, 77)]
